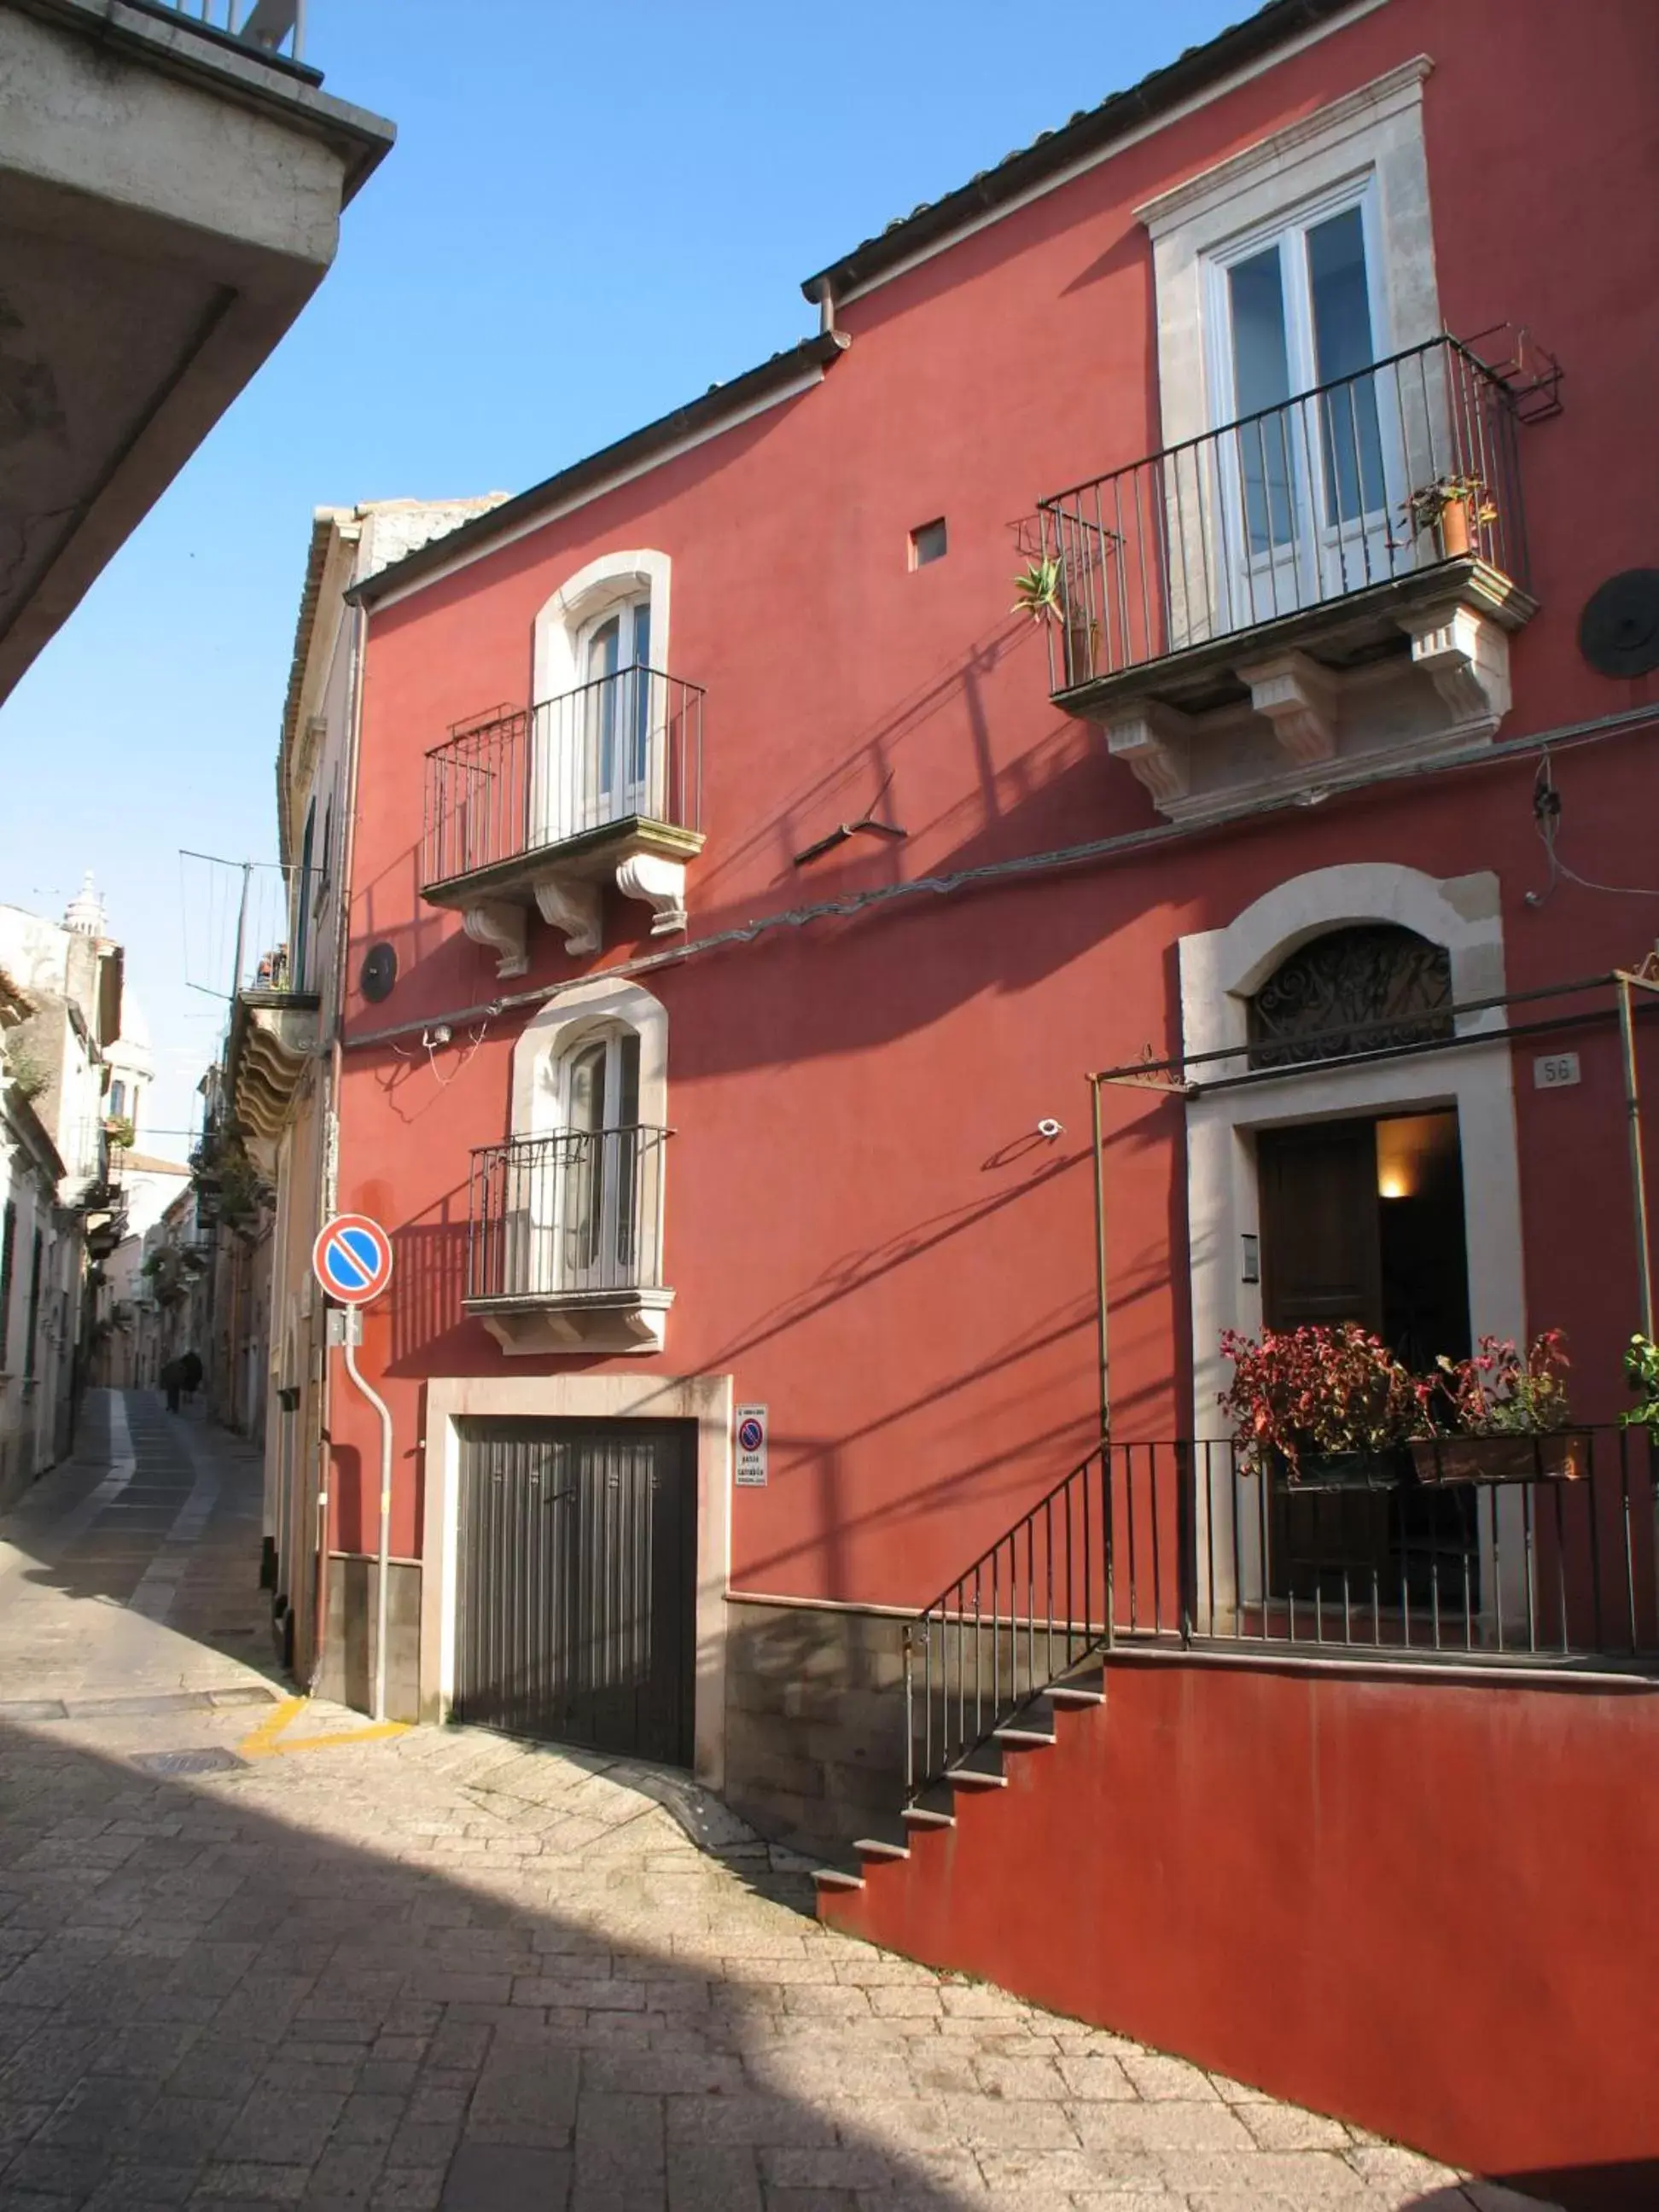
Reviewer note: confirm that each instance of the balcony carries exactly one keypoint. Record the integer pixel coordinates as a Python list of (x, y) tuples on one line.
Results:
[(171, 179), (541, 810), (275, 1035), (564, 1243), (271, 28), (1283, 605)]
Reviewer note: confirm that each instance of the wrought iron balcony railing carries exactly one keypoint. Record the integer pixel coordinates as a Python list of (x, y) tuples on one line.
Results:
[(568, 1218), (1407, 466), (273, 27), (625, 748), (1176, 1546)]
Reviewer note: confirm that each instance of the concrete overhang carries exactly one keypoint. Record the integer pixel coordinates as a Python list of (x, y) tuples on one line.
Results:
[(169, 200)]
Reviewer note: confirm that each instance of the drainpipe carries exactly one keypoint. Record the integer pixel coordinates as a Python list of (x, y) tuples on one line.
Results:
[(825, 297), (328, 1178)]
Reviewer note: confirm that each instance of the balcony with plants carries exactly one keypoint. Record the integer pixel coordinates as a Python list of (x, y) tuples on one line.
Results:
[(540, 812), (1281, 605), (564, 1244)]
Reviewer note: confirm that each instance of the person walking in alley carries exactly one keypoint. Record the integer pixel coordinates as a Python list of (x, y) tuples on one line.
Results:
[(172, 1383), (190, 1373)]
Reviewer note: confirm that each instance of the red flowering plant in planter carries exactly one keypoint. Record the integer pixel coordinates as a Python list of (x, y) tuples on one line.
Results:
[(1503, 1415), (1328, 1405)]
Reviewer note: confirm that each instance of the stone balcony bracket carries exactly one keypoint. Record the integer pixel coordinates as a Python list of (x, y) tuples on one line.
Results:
[(1302, 706), (613, 1321), (567, 890)]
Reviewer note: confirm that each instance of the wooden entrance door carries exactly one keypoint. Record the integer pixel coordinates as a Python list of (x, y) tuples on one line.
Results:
[(1322, 1244), (1322, 1263)]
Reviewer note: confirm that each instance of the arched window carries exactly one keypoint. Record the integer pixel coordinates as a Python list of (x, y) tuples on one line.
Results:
[(118, 1101), (1369, 988)]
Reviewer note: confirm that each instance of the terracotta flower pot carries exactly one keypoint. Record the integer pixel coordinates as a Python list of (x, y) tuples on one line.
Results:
[(1563, 1456), (1454, 527), (1082, 650)]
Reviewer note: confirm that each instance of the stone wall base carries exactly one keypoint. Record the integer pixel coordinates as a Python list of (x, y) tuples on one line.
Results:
[(814, 1719), (347, 1674)]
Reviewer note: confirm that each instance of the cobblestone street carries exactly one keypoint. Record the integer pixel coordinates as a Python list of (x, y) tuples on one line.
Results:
[(447, 1969)]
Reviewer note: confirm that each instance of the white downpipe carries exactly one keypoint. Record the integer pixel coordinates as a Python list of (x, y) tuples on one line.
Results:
[(381, 1408)]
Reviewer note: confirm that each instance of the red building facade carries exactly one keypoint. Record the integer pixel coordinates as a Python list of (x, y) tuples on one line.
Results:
[(762, 889)]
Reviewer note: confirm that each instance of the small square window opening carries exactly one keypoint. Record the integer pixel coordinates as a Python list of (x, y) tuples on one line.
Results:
[(928, 544)]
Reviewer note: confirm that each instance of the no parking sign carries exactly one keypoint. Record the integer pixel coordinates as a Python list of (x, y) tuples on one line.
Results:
[(752, 1446), (352, 1259)]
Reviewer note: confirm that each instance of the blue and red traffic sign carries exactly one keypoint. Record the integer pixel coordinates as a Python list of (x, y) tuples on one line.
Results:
[(352, 1259)]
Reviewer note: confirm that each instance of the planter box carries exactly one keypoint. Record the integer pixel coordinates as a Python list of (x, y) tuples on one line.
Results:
[(1354, 1470), (1562, 1456)]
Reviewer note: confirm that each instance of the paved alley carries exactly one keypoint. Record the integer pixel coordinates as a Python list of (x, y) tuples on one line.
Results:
[(446, 1969)]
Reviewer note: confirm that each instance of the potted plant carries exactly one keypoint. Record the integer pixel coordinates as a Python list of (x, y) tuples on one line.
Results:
[(1509, 1415), (1039, 592), (1330, 1408), (1454, 508), (1642, 1373)]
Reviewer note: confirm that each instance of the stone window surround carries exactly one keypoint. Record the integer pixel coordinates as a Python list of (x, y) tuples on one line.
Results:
[(548, 1039), (1220, 970), (1377, 130), (704, 1399), (580, 601)]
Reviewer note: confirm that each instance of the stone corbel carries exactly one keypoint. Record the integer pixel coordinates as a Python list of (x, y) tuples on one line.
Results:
[(501, 928), (1468, 656), (1156, 743), (573, 908), (660, 885), (1299, 697)]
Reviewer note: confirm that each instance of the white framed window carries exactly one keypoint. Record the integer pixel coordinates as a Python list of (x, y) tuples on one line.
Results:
[(601, 745), (616, 720), (596, 1160), (1309, 464), (1365, 147)]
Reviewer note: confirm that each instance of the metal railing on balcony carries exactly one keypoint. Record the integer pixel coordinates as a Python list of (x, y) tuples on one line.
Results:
[(274, 26), (571, 1216), (1402, 467), (624, 747), (1178, 1546)]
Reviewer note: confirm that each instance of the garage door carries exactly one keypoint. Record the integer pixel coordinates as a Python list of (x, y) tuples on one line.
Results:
[(577, 1582)]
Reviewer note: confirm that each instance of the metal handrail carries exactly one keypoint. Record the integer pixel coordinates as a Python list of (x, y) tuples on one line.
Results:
[(951, 1709), (1286, 509), (511, 782), (572, 1214), (1177, 1544)]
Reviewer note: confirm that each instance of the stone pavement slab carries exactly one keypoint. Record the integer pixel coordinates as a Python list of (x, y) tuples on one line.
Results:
[(453, 1972)]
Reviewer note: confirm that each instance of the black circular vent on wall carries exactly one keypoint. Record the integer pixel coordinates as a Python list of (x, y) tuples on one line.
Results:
[(1619, 630), (378, 973)]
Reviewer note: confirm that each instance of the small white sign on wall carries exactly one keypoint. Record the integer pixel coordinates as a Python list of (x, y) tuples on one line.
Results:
[(752, 1447), (1555, 1071)]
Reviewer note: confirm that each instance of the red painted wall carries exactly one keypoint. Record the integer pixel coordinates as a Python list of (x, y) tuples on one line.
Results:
[(861, 1227), (1423, 1907)]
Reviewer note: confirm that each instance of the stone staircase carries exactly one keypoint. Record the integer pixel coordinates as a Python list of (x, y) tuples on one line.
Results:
[(1032, 1727)]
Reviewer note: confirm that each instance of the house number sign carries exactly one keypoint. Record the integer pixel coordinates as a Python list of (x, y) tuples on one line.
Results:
[(752, 1447), (1555, 1071)]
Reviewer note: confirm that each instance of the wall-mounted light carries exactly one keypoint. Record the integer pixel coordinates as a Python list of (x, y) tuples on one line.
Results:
[(1251, 1256)]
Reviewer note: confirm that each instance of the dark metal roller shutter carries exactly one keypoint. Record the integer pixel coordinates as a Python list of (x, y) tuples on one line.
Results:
[(576, 1583)]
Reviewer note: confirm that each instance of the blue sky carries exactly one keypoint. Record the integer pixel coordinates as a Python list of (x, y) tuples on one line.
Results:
[(590, 215)]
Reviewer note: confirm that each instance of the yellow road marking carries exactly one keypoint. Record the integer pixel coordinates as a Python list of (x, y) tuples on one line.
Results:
[(264, 1742)]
